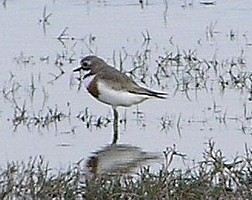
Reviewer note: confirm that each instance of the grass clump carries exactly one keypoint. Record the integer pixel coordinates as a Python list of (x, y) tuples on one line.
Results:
[(212, 178)]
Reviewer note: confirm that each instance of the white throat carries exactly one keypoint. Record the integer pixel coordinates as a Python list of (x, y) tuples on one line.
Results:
[(88, 80)]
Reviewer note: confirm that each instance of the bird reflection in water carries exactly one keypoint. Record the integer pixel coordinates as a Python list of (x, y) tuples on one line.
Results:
[(119, 159)]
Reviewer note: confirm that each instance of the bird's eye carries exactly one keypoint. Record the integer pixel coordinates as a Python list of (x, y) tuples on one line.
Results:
[(86, 63)]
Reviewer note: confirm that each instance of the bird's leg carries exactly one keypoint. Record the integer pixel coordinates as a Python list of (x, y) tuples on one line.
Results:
[(115, 125)]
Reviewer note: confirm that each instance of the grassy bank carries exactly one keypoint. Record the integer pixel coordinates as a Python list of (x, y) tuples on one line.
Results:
[(212, 178)]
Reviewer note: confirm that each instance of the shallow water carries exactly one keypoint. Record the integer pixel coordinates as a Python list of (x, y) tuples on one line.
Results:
[(32, 59)]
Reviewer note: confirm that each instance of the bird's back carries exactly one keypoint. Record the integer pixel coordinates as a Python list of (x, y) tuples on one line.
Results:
[(115, 79)]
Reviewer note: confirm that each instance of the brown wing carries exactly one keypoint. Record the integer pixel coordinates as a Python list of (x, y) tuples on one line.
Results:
[(120, 81), (116, 79)]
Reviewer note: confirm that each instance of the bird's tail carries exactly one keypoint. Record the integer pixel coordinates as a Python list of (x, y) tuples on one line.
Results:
[(150, 93), (160, 95)]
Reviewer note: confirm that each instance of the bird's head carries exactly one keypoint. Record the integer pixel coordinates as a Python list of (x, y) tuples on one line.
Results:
[(91, 63)]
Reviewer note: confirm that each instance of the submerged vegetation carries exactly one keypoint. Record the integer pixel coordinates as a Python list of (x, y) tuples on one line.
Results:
[(211, 178), (182, 72)]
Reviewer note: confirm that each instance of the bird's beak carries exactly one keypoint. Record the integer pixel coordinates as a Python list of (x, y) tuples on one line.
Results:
[(78, 69)]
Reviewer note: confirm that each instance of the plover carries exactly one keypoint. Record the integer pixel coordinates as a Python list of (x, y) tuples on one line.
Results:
[(110, 86)]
